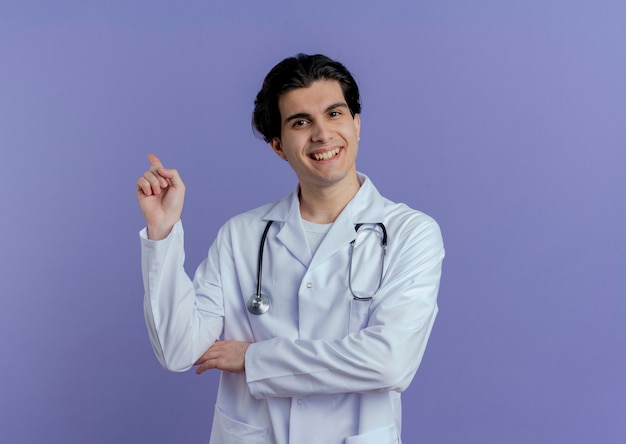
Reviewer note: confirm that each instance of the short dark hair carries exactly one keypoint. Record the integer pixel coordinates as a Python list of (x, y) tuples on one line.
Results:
[(298, 72)]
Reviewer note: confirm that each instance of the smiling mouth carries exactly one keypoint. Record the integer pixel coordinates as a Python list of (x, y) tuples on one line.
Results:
[(325, 155)]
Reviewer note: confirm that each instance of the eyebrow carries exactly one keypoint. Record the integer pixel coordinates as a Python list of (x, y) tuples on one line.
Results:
[(307, 115)]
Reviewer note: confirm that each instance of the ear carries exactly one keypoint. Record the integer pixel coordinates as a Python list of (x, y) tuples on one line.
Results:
[(357, 124), (277, 146)]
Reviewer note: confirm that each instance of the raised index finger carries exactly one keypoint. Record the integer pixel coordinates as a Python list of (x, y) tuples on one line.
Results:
[(156, 168), (154, 161)]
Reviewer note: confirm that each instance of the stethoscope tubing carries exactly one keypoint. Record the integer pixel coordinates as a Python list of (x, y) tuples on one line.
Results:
[(383, 243), (258, 303), (259, 272)]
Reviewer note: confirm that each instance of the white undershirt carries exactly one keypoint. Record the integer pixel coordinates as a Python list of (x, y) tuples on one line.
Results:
[(315, 234)]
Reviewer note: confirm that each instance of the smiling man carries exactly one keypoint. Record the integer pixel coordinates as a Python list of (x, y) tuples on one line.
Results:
[(319, 335), (319, 138)]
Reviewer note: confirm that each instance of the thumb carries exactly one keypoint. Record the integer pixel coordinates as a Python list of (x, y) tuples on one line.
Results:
[(171, 175)]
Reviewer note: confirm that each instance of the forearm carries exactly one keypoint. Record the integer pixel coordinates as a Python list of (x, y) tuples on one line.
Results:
[(381, 357), (178, 327), (357, 364)]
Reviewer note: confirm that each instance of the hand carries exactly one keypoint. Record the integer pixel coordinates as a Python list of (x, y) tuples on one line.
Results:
[(161, 193), (224, 355)]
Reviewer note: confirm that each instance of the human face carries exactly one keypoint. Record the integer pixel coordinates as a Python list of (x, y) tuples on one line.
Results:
[(319, 137)]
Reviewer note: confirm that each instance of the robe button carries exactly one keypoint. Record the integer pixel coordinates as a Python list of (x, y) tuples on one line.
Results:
[(309, 285)]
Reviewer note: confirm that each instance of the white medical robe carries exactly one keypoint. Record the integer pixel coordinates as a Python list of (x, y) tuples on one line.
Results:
[(322, 367)]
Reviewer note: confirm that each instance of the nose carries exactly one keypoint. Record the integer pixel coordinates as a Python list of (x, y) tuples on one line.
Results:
[(321, 132)]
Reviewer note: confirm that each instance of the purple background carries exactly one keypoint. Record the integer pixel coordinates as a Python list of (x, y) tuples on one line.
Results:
[(504, 120)]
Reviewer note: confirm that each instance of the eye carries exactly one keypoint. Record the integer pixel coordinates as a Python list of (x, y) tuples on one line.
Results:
[(335, 114), (298, 123)]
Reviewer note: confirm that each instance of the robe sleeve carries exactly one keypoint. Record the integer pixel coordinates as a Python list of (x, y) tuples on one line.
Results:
[(184, 318)]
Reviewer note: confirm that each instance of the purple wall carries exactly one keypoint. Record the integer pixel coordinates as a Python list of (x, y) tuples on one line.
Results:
[(504, 120)]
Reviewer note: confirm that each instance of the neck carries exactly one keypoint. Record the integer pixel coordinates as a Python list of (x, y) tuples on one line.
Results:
[(323, 206)]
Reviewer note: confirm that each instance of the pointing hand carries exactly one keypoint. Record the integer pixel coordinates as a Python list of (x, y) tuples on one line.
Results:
[(161, 193)]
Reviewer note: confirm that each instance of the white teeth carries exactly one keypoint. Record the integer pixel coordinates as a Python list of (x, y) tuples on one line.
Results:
[(327, 155)]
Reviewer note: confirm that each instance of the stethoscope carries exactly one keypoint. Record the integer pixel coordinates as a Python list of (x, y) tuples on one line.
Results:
[(259, 303)]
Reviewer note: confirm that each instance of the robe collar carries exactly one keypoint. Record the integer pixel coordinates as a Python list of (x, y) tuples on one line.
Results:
[(367, 206)]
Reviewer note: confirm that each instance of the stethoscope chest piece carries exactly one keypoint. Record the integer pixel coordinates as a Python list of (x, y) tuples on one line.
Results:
[(258, 304)]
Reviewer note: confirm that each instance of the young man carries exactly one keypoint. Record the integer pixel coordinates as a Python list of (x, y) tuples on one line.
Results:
[(327, 326)]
